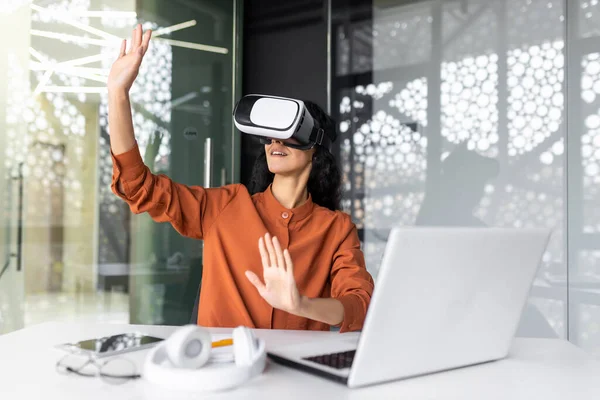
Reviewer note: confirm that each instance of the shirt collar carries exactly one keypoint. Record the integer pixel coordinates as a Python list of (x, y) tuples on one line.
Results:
[(296, 214)]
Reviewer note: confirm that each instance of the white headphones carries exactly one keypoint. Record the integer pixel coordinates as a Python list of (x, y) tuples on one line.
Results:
[(182, 361)]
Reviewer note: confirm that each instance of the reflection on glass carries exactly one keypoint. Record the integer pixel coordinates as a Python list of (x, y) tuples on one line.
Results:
[(484, 84), (454, 201), (460, 123), (83, 252), (584, 177)]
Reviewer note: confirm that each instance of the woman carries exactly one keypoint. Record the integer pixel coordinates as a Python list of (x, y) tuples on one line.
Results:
[(318, 281)]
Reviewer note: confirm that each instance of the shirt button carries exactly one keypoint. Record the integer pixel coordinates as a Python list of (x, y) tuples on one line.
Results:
[(284, 215)]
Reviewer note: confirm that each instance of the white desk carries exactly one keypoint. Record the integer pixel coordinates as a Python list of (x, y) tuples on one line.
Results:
[(536, 369)]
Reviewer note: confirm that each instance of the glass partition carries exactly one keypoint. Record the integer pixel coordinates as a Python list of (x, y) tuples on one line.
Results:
[(477, 113), (70, 249)]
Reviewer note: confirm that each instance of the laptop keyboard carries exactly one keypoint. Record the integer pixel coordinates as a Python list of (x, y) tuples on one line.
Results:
[(334, 360)]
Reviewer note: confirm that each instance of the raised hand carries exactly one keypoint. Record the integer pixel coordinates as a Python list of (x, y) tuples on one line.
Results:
[(279, 288), (125, 69)]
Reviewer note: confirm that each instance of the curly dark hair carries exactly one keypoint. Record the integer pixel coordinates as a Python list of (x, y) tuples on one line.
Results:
[(324, 182)]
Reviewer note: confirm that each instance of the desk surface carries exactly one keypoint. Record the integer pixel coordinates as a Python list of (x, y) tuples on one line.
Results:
[(536, 369)]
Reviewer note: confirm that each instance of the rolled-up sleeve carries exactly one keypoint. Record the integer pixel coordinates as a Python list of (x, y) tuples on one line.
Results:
[(191, 210), (351, 283)]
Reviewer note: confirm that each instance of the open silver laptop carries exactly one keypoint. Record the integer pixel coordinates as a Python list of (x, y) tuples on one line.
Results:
[(444, 298)]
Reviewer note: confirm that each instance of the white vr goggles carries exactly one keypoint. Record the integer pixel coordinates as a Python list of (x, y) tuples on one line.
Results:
[(279, 118)]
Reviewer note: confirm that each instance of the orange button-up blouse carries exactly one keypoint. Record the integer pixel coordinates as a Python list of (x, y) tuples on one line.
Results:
[(323, 244)]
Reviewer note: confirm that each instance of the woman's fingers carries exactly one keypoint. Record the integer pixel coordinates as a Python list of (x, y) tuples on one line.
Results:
[(123, 47), (146, 40), (263, 253), (137, 33), (271, 250), (255, 280), (139, 39), (140, 35), (132, 46), (278, 253)]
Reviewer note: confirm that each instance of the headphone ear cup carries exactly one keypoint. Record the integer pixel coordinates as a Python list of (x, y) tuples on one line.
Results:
[(244, 346), (189, 347)]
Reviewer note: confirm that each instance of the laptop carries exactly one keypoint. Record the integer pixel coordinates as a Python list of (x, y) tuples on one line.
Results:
[(445, 298)]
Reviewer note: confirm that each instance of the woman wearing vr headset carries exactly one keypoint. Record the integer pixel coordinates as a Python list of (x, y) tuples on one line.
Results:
[(281, 256)]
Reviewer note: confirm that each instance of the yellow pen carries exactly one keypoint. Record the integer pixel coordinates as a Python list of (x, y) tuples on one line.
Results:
[(221, 343)]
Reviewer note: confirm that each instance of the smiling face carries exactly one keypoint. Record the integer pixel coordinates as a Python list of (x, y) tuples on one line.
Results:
[(283, 160)]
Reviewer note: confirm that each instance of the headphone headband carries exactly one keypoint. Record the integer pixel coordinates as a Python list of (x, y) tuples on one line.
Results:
[(158, 369)]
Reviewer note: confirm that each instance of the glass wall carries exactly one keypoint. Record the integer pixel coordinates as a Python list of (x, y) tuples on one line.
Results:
[(478, 113), (583, 171), (70, 249)]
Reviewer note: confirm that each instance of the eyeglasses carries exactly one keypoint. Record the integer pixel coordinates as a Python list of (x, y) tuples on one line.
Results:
[(296, 146), (115, 371)]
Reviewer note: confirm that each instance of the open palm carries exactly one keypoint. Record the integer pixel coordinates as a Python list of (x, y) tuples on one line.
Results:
[(279, 288), (125, 69)]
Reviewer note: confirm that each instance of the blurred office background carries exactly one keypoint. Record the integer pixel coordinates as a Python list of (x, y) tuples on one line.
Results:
[(450, 112)]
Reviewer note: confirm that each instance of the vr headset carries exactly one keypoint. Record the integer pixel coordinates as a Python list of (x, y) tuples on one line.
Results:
[(279, 118)]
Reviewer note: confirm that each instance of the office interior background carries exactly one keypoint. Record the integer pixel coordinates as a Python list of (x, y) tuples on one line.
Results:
[(450, 113)]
